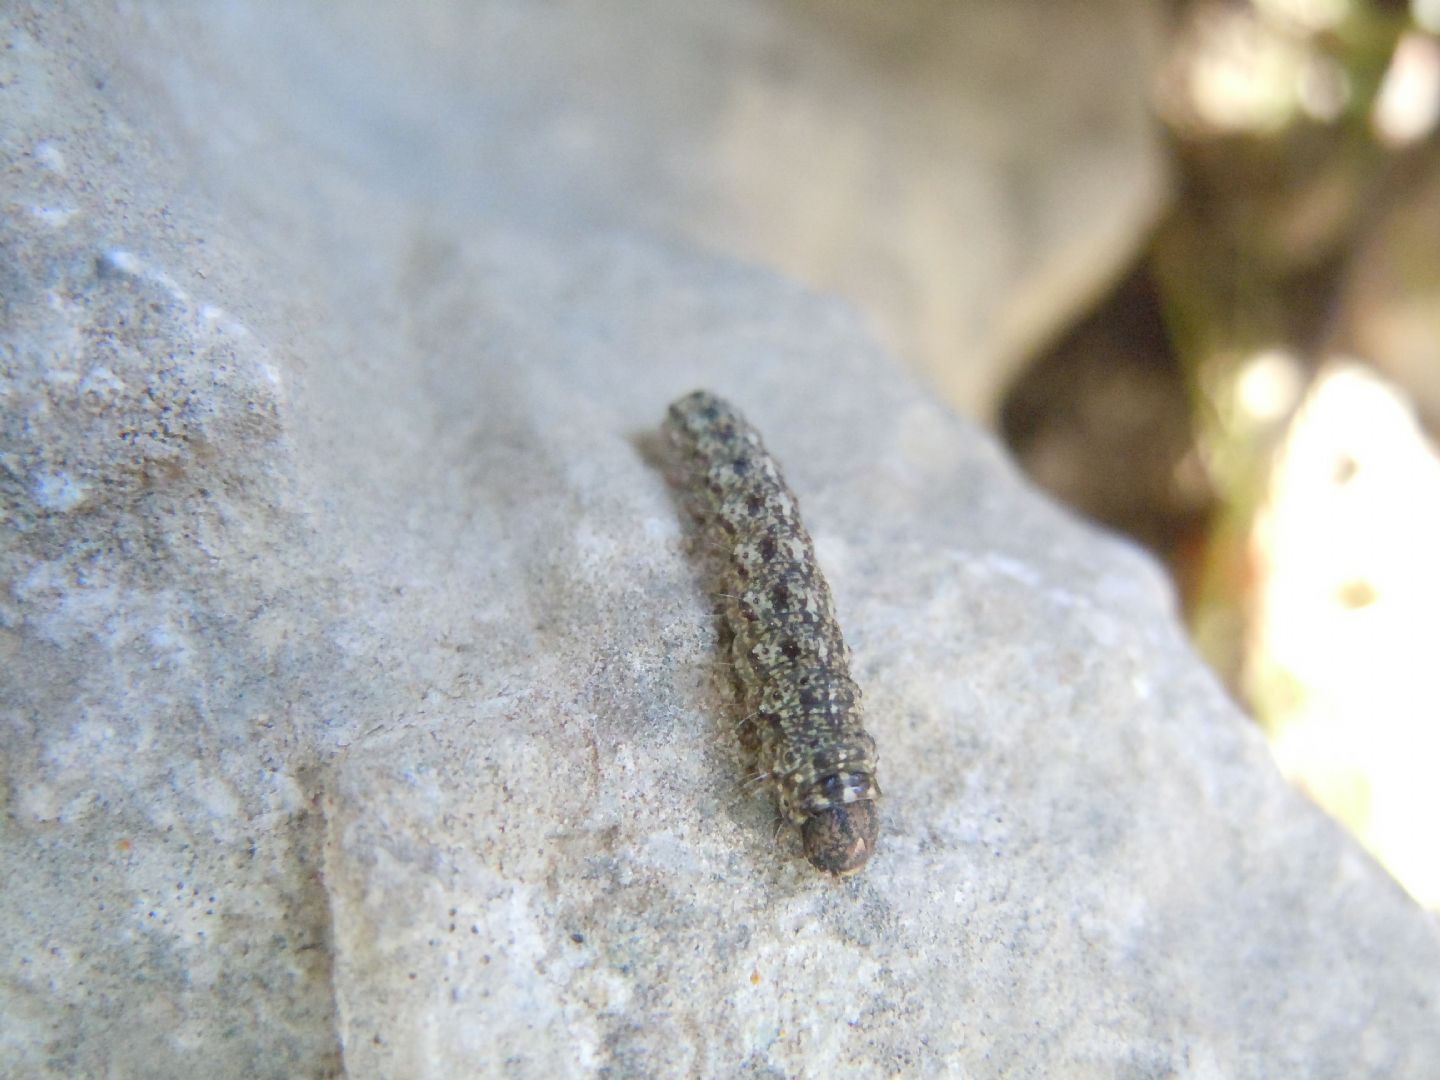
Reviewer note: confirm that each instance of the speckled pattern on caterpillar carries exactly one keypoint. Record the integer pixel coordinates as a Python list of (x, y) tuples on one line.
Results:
[(804, 714)]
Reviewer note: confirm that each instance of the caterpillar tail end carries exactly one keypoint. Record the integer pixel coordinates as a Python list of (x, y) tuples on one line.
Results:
[(840, 839)]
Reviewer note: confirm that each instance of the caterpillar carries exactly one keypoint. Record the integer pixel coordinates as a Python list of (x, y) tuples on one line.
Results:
[(803, 709)]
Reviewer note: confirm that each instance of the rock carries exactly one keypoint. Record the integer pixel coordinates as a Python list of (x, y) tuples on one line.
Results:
[(967, 185), (364, 711)]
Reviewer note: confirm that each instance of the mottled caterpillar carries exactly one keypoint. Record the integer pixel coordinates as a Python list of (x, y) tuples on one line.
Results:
[(804, 716)]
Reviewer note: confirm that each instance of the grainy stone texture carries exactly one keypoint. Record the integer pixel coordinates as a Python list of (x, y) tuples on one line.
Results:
[(362, 705)]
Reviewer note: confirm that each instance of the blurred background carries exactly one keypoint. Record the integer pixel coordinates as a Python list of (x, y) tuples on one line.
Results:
[(1257, 398)]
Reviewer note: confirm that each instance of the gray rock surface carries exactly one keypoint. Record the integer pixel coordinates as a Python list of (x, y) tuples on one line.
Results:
[(362, 707), (967, 174)]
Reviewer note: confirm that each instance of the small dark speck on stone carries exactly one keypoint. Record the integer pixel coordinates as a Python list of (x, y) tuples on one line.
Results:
[(579, 939)]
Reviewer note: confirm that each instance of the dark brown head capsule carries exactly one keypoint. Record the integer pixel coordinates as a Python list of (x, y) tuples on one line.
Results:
[(839, 840)]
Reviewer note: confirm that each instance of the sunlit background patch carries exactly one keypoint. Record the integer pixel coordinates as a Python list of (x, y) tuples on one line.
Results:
[(1258, 402)]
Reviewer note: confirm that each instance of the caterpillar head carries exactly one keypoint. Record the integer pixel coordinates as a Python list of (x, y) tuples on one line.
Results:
[(840, 838)]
